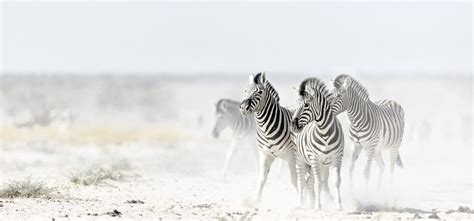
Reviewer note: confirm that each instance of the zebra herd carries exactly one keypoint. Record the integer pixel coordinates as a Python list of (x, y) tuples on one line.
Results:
[(310, 138)]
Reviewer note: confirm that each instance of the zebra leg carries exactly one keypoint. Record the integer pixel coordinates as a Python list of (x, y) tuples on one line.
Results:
[(310, 187), (325, 181), (370, 150), (256, 153), (356, 148), (316, 173), (266, 161), (301, 171), (381, 165), (230, 153), (337, 183), (393, 160), (292, 164)]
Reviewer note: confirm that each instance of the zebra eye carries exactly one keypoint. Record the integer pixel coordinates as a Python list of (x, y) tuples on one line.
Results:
[(306, 105), (260, 92)]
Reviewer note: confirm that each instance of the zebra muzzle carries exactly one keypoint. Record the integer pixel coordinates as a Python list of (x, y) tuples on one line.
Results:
[(245, 107)]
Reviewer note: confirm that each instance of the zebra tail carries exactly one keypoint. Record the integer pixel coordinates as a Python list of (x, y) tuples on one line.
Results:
[(399, 161)]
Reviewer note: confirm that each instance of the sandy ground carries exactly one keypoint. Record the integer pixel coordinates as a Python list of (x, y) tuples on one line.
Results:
[(153, 176), (172, 170)]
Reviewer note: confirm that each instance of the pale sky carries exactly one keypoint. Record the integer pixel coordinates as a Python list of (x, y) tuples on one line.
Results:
[(236, 37)]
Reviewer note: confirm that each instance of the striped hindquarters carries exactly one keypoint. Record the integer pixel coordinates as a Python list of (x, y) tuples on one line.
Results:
[(392, 122)]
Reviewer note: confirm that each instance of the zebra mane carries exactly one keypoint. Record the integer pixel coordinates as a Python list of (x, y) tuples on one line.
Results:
[(355, 85), (271, 90), (317, 85)]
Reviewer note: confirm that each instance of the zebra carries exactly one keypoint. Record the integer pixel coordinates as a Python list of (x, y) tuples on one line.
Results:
[(319, 139), (374, 126), (228, 115), (274, 138)]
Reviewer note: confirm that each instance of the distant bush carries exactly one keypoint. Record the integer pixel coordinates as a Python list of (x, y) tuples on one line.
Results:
[(25, 189)]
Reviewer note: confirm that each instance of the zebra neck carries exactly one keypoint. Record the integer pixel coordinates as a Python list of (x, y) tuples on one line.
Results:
[(358, 108), (240, 125), (325, 119), (268, 107), (234, 119)]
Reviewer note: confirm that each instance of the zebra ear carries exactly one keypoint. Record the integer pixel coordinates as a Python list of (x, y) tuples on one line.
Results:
[(263, 78), (251, 77), (309, 90)]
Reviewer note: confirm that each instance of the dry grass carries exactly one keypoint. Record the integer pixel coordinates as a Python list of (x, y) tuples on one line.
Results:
[(25, 189), (99, 175)]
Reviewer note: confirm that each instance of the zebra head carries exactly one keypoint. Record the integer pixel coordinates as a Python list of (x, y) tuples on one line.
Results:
[(340, 99), (314, 100), (255, 94), (222, 117)]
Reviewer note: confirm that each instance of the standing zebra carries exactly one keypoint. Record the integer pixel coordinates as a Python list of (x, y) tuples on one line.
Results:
[(243, 127), (319, 139), (375, 126), (274, 138)]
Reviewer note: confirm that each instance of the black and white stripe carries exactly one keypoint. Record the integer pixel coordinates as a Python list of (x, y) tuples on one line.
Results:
[(274, 138), (319, 139), (375, 126), (228, 115)]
